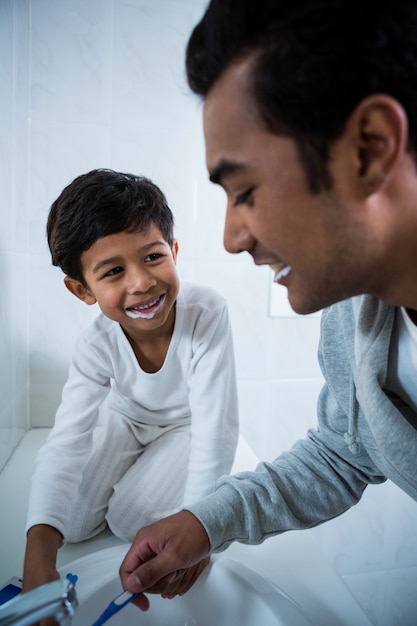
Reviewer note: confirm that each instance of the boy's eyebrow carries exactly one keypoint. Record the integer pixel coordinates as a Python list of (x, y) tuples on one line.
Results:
[(224, 169), (116, 259), (100, 264)]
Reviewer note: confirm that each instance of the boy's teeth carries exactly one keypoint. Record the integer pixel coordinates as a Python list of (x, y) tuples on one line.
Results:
[(143, 307), (146, 306), (143, 310)]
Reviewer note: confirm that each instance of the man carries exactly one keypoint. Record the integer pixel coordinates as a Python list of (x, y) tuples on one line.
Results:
[(310, 112)]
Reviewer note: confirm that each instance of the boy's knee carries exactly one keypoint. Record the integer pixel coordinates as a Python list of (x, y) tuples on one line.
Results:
[(81, 532), (124, 522), (122, 530), (118, 519), (75, 536)]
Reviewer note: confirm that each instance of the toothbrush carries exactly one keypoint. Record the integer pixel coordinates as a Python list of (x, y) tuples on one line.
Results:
[(72, 578), (115, 606)]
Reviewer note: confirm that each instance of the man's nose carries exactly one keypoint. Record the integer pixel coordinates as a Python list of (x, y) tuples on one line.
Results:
[(237, 236)]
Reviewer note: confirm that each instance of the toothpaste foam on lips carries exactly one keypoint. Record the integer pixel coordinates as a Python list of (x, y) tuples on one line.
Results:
[(148, 311)]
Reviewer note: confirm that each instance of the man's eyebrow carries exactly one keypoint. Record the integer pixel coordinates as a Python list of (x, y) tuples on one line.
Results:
[(225, 169)]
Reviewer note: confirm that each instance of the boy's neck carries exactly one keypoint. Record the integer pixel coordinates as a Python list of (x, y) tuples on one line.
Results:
[(151, 348)]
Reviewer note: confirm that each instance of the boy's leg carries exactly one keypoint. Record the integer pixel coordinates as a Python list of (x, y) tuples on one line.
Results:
[(154, 486), (114, 451)]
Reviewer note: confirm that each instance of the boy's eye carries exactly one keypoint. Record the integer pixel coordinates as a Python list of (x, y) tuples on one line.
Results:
[(113, 271), (154, 256), (244, 198)]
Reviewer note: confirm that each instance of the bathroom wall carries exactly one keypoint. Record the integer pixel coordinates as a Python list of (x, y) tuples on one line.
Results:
[(14, 225), (100, 83)]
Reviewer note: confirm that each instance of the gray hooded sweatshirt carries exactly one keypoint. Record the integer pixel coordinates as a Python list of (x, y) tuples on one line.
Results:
[(365, 435)]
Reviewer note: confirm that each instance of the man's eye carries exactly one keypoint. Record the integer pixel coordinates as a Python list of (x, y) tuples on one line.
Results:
[(244, 198)]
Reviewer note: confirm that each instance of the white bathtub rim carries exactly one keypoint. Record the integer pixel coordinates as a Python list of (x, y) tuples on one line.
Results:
[(107, 561)]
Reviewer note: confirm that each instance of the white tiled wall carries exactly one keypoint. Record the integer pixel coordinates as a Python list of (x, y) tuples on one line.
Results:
[(100, 83), (14, 225)]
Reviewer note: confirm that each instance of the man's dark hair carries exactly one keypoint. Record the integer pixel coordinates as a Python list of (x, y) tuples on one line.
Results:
[(100, 203), (313, 62)]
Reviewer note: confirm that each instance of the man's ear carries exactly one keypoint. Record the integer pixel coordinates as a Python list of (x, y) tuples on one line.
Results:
[(78, 289), (378, 131)]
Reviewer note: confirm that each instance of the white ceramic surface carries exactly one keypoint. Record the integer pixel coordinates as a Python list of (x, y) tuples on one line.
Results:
[(227, 594)]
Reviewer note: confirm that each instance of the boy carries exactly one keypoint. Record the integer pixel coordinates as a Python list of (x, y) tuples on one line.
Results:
[(161, 354)]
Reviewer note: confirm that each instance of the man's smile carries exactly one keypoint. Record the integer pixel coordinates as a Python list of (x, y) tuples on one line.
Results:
[(280, 271)]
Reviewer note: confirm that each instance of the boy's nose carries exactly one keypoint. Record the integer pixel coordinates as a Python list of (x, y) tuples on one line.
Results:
[(140, 280)]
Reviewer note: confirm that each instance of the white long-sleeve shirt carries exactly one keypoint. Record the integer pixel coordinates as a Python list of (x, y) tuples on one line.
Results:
[(196, 385)]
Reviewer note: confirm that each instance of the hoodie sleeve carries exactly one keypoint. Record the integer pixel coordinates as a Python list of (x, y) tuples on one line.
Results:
[(319, 478)]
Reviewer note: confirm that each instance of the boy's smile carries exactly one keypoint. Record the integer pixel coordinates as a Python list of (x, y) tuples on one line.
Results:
[(146, 310), (133, 278)]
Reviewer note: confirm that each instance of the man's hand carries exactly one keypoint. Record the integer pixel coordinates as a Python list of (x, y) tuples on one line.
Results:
[(166, 557)]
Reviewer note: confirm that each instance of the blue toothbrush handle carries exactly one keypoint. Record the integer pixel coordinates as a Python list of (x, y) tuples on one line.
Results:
[(124, 598), (115, 606)]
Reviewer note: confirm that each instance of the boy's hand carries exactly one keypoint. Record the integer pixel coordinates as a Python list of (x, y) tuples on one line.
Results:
[(38, 579), (166, 557), (40, 560)]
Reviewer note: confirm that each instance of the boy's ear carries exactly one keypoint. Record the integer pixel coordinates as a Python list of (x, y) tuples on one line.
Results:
[(175, 250), (79, 290), (375, 136)]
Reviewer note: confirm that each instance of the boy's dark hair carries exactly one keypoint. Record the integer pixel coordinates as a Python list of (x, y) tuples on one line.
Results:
[(100, 203), (314, 61)]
